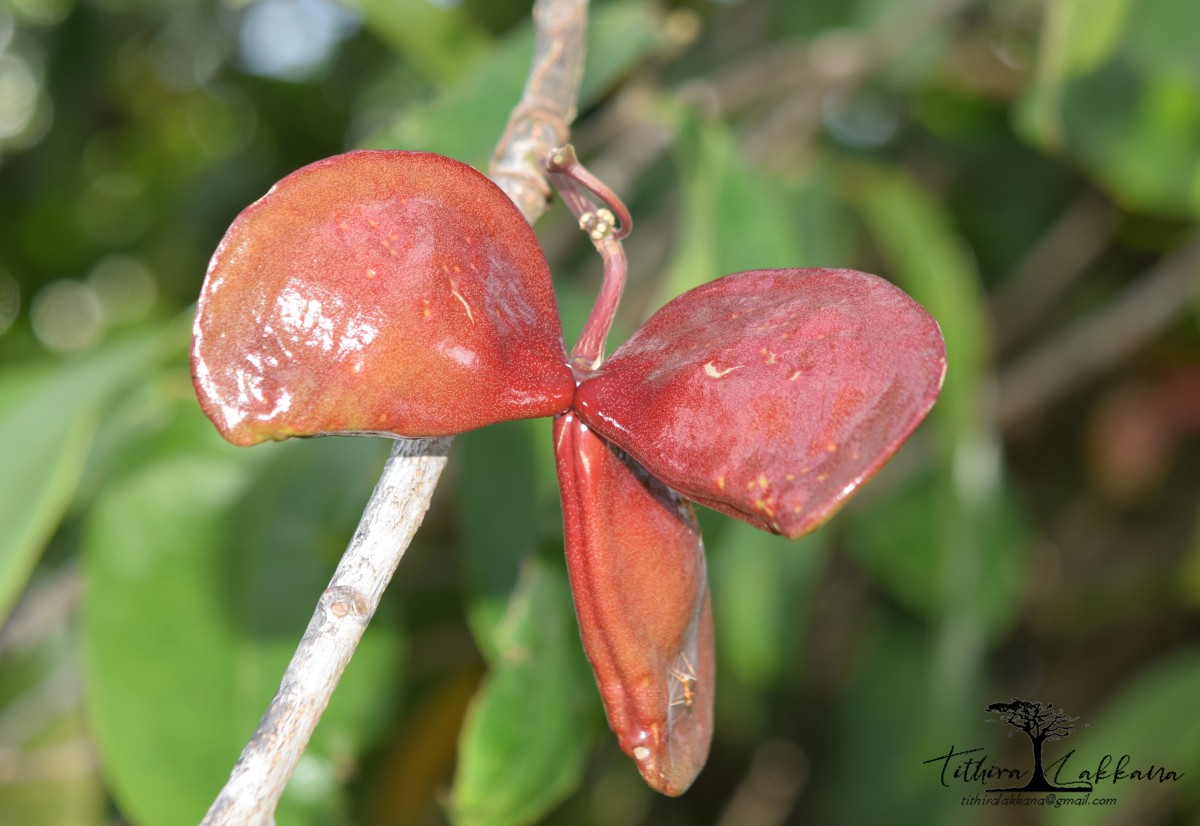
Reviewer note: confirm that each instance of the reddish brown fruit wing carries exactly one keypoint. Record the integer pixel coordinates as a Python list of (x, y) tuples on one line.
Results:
[(771, 395), (641, 594), (393, 292)]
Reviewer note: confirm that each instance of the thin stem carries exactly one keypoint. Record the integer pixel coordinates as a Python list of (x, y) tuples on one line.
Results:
[(606, 226), (542, 119), (345, 607), (575, 183), (588, 352), (402, 495)]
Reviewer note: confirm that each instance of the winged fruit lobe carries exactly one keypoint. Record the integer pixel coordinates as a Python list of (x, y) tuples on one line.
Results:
[(378, 291), (771, 395), (638, 577)]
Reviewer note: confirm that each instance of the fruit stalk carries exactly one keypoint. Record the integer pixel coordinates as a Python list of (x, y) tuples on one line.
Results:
[(606, 225)]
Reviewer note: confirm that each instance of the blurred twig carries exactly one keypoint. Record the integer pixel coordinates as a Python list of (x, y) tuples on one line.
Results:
[(401, 498), (1051, 267), (1097, 342)]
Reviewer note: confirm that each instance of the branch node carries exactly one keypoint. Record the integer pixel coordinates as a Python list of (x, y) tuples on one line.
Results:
[(342, 601)]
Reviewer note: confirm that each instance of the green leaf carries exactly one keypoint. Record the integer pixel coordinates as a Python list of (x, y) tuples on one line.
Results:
[(888, 720), (762, 584), (733, 218), (926, 255), (48, 416), (898, 540), (1150, 720), (1162, 38), (463, 122), (928, 259), (1118, 91), (439, 41), (203, 567), (1077, 36), (527, 735), (499, 491)]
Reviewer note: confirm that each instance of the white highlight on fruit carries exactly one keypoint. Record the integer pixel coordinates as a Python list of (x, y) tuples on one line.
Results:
[(317, 318), (711, 370)]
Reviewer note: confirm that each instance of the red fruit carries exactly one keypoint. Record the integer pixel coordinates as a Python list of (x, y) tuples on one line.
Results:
[(771, 395), (641, 595), (390, 292)]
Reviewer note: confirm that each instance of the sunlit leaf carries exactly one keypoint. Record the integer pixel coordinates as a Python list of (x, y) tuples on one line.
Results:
[(1118, 92), (48, 415)]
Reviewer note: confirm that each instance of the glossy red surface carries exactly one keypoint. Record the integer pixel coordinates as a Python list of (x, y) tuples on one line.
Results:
[(641, 595), (403, 293), (771, 395), (378, 291)]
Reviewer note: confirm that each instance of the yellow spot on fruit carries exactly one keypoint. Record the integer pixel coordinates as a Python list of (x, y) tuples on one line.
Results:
[(831, 448), (371, 273), (791, 477), (821, 477), (795, 375), (765, 507), (720, 483)]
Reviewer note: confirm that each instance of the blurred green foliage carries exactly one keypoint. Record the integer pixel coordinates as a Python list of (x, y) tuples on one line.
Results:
[(1028, 169)]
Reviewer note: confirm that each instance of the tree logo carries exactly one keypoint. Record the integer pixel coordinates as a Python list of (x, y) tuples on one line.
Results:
[(1041, 723)]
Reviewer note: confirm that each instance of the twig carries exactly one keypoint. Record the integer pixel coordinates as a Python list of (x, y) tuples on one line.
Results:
[(1056, 262), (540, 122), (1094, 344)]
